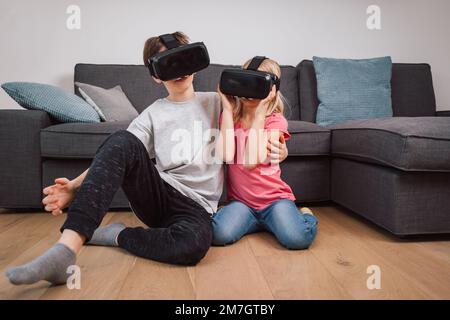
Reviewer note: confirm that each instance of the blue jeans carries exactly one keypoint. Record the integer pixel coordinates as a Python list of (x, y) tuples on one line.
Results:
[(293, 229)]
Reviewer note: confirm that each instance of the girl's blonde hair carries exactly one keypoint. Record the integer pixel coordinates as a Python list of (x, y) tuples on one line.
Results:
[(276, 105)]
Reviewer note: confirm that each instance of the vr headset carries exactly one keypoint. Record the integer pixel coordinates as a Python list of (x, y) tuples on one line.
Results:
[(248, 83), (178, 60)]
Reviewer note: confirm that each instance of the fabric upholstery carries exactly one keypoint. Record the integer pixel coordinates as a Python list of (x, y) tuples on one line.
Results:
[(411, 89), (111, 104), (63, 106), (410, 144), (20, 158), (351, 89), (77, 140), (404, 203), (308, 139), (135, 81)]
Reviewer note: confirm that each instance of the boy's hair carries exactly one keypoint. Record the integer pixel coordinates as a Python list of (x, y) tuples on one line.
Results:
[(154, 44), (277, 105)]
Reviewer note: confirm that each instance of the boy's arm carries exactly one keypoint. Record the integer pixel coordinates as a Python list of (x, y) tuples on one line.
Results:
[(60, 195)]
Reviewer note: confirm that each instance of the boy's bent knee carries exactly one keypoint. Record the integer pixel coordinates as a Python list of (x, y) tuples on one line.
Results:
[(192, 254), (193, 245), (121, 142), (121, 137)]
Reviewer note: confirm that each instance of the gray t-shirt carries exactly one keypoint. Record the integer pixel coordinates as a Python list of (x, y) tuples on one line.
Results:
[(181, 137)]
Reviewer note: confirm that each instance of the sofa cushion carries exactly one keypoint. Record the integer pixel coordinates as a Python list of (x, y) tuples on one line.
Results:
[(406, 143), (111, 104), (60, 104), (350, 89), (411, 85), (135, 81), (308, 139), (77, 140), (208, 79)]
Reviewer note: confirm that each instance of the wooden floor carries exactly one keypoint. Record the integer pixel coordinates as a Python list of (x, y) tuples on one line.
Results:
[(257, 267)]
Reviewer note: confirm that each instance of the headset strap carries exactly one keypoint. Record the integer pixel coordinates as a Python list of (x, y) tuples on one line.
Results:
[(255, 63), (277, 82), (169, 41)]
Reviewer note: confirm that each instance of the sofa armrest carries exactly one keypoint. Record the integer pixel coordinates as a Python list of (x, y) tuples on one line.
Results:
[(20, 157), (443, 113)]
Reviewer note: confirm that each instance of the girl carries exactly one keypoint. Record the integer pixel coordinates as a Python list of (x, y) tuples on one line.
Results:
[(260, 200)]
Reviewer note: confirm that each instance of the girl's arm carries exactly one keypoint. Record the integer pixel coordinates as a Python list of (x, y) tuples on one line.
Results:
[(261, 154), (256, 145), (257, 141), (225, 147)]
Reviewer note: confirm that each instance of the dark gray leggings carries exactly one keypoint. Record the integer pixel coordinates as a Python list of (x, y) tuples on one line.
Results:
[(180, 230)]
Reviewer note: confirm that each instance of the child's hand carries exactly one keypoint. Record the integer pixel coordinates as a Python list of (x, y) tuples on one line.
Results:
[(277, 150), (59, 196), (263, 105), (228, 102)]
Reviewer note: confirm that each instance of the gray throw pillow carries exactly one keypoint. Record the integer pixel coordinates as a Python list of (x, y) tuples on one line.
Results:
[(111, 104)]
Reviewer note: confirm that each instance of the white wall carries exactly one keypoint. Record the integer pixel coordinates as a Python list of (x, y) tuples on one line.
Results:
[(37, 46)]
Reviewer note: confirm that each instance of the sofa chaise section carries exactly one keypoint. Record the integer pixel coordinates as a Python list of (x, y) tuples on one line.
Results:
[(393, 171), (405, 143)]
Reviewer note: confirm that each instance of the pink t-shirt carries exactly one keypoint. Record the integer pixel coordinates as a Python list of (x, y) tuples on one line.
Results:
[(258, 187)]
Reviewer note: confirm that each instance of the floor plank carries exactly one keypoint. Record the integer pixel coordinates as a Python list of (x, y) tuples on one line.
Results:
[(294, 274), (8, 220), (25, 234), (26, 253), (228, 273), (439, 249), (347, 257), (413, 259), (153, 280)]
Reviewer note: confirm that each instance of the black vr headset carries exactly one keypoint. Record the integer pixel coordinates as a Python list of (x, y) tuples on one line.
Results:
[(178, 60), (248, 83)]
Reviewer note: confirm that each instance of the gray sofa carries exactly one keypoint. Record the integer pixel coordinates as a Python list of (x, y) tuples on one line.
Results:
[(393, 171)]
